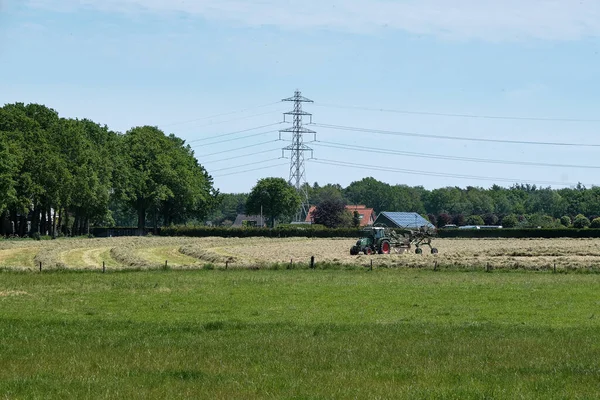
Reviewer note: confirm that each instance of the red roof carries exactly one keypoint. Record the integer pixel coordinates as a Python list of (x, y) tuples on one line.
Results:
[(367, 215)]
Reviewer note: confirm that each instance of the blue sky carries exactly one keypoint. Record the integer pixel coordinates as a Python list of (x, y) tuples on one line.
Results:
[(178, 64)]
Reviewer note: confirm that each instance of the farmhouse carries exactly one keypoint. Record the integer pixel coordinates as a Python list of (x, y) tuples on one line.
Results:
[(402, 220), (366, 215)]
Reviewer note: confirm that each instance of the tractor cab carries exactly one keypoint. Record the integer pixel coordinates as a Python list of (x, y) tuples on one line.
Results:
[(377, 232)]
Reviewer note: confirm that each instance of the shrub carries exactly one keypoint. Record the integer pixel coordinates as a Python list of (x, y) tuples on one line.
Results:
[(459, 220), (510, 221), (595, 223), (443, 220), (490, 219), (581, 221), (475, 220), (565, 221)]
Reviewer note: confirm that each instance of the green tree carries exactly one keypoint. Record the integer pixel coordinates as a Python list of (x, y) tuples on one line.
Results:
[(193, 192), (8, 172), (318, 194), (565, 220), (595, 223), (161, 178), (277, 198), (581, 221), (372, 193)]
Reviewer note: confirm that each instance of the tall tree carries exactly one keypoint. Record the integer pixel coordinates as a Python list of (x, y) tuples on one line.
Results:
[(372, 193), (275, 196), (160, 174)]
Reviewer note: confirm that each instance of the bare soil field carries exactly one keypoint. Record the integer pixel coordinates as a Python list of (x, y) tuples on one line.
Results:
[(152, 252)]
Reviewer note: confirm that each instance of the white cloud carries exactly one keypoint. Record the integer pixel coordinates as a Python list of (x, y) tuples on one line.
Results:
[(492, 20)]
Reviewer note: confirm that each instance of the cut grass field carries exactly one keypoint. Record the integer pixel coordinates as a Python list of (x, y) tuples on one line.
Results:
[(185, 253), (386, 333)]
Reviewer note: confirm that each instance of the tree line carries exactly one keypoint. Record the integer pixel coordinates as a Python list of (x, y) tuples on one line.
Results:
[(59, 175), (521, 205)]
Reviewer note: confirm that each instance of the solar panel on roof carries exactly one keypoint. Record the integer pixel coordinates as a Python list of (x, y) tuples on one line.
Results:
[(407, 219)]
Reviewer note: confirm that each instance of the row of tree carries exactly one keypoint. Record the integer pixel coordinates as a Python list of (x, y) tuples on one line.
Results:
[(59, 176), (519, 205)]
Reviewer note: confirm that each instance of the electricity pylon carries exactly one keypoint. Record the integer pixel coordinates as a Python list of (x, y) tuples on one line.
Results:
[(297, 149)]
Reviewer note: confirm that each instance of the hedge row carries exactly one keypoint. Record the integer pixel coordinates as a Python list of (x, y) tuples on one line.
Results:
[(254, 232), (519, 233), (319, 232)]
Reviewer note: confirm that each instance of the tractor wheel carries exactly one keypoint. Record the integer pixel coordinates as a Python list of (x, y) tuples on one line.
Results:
[(367, 251), (434, 251), (419, 250), (353, 251), (385, 247)]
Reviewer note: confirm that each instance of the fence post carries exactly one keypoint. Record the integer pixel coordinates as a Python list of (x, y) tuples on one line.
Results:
[(103, 267), (371, 264), (226, 264), (166, 264), (554, 267), (40, 266), (312, 262), (435, 266)]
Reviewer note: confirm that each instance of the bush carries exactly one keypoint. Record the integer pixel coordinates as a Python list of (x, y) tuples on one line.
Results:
[(475, 220), (510, 221), (490, 219), (459, 220), (581, 221), (443, 220), (595, 223), (565, 221)]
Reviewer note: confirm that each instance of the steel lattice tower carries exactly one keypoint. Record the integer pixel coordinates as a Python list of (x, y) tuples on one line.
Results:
[(297, 149)]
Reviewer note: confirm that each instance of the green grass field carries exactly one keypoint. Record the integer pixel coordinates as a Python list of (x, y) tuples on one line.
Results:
[(299, 334)]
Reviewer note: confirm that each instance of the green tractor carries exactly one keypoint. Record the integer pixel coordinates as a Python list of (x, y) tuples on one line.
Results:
[(383, 240)]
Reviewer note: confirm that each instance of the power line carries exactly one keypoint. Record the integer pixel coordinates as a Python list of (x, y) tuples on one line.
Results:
[(234, 139), (242, 156), (239, 148), (235, 119), (234, 133), (421, 135), (429, 173), (437, 114), (246, 165), (447, 157), (219, 115), (251, 170)]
